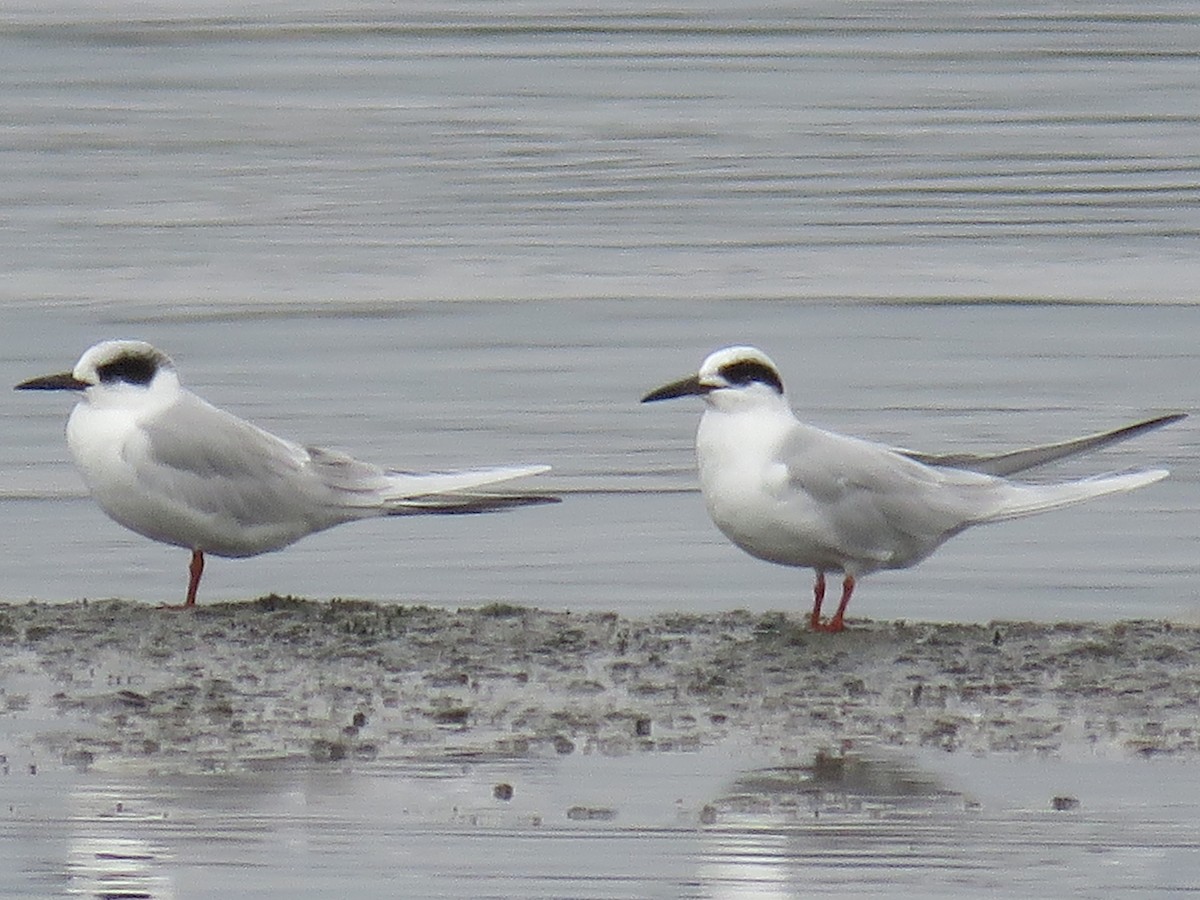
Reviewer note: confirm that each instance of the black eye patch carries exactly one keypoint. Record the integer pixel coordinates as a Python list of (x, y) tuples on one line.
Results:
[(748, 370), (130, 369)]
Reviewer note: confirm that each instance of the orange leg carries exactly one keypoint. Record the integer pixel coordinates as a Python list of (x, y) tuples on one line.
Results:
[(837, 623), (196, 569), (818, 598)]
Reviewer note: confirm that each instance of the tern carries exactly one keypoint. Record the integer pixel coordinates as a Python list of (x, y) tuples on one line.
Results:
[(796, 495), (170, 466)]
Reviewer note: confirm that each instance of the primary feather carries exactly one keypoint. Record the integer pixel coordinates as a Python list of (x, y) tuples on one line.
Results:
[(1014, 461)]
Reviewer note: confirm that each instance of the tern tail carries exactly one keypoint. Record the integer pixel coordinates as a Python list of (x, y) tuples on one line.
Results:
[(1020, 500), (447, 493), (365, 489)]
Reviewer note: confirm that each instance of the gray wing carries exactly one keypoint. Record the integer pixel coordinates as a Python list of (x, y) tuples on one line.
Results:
[(212, 461), (1032, 457), (875, 507)]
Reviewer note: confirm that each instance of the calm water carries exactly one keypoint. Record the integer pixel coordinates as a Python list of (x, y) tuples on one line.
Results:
[(720, 151), (461, 236), (429, 385), (988, 830)]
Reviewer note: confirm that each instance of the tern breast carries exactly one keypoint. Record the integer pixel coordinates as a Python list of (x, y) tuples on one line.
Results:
[(746, 485)]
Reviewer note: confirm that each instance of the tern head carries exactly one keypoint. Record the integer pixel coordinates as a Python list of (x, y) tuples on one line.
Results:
[(112, 369), (729, 378)]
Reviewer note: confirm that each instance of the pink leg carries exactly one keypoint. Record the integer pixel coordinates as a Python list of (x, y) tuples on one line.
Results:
[(195, 570), (818, 599)]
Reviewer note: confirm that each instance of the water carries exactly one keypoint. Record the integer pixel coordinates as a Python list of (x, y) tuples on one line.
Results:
[(326, 157), (418, 833), (458, 236), (428, 385)]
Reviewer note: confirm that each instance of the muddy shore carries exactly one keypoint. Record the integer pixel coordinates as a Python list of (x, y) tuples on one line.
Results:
[(232, 685)]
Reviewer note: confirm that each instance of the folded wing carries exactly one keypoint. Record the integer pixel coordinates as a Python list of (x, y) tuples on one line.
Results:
[(1032, 457)]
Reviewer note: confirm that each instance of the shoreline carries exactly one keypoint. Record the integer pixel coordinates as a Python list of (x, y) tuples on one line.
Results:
[(234, 685)]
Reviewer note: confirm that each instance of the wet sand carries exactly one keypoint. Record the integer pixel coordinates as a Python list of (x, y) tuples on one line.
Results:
[(231, 686)]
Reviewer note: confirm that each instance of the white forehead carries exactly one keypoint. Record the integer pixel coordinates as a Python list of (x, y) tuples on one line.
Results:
[(719, 359)]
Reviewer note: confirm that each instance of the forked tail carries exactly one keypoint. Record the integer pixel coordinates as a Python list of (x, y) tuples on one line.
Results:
[(1019, 500), (427, 493)]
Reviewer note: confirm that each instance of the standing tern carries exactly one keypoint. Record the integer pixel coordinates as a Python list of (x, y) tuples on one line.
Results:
[(793, 494), (164, 463)]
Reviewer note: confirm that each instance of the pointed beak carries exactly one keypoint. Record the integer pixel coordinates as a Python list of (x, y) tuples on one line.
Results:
[(63, 381), (684, 387)]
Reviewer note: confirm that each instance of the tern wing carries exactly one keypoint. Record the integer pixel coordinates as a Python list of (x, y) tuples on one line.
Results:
[(193, 439), (210, 465), (873, 507), (248, 491), (883, 509), (1032, 457)]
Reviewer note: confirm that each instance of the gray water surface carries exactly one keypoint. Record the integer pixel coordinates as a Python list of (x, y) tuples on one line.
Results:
[(332, 156), (434, 385), (438, 834)]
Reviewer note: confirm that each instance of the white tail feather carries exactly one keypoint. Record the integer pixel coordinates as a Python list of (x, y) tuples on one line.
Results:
[(1028, 499), (403, 486)]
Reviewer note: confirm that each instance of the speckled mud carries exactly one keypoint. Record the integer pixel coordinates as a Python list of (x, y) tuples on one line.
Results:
[(231, 686)]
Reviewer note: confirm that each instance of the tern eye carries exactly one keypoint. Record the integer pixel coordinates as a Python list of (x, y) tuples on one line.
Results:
[(130, 369), (748, 370)]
